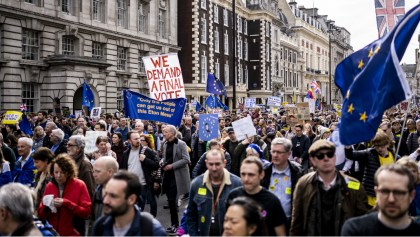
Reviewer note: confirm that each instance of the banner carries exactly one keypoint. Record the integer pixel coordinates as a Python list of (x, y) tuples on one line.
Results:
[(91, 137), (12, 117), (96, 112), (244, 128), (208, 126), (250, 102), (274, 101), (164, 76), (138, 106), (303, 111)]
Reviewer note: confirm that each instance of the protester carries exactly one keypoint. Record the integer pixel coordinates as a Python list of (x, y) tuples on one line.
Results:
[(122, 216), (24, 169), (38, 137), (102, 149), (16, 209), (414, 169), (58, 143), (70, 197), (300, 147), (8, 153), (42, 159), (118, 146), (412, 140), (324, 199), (244, 218), (201, 167), (123, 128), (208, 194), (395, 190), (5, 174)]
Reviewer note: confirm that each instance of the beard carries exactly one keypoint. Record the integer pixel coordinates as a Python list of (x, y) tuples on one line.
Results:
[(399, 213), (116, 211)]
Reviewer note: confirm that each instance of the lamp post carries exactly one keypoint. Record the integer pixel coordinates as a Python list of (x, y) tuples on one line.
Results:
[(329, 65), (233, 63)]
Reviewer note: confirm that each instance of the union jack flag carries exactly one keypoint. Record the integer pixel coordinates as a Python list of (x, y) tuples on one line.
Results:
[(23, 107), (315, 87), (388, 13)]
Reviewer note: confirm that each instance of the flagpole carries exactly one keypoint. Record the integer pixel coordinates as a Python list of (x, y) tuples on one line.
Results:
[(401, 135), (233, 54)]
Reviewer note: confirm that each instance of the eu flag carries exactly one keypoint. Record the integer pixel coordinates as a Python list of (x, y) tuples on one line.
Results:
[(25, 125), (215, 86), (199, 107), (214, 102), (371, 80), (208, 126), (88, 98)]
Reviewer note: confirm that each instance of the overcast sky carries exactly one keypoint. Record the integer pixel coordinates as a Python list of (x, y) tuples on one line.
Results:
[(358, 17)]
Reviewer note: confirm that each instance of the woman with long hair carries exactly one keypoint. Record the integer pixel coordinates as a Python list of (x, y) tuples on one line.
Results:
[(65, 197), (104, 149), (42, 159), (244, 218), (117, 146)]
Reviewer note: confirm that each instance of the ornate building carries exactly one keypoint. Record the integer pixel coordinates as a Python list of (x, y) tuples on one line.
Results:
[(50, 47)]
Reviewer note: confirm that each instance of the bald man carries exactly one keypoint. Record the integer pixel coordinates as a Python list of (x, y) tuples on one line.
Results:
[(103, 170)]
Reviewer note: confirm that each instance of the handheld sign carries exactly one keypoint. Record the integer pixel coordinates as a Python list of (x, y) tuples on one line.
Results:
[(78, 113), (244, 128), (164, 76), (96, 112), (208, 126), (12, 117), (91, 137), (274, 101), (250, 102)]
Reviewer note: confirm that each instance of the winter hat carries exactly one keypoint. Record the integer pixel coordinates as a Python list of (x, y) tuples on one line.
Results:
[(257, 149)]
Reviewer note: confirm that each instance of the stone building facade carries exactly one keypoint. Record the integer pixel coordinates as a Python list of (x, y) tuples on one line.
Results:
[(49, 48)]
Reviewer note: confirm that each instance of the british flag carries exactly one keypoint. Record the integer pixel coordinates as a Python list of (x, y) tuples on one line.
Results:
[(388, 13), (315, 87)]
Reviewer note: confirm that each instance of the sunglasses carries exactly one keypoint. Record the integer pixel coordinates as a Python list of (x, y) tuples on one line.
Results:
[(321, 155)]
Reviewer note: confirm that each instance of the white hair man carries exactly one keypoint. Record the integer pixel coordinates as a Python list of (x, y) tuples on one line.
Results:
[(57, 139), (24, 169)]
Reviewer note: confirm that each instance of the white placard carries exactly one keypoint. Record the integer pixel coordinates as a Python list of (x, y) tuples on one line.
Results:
[(91, 137), (164, 76), (274, 101), (311, 103), (78, 113), (250, 102), (96, 112), (244, 128)]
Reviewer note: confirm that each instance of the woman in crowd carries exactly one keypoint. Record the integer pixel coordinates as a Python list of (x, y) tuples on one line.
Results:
[(5, 175), (244, 217), (70, 197), (103, 150), (309, 132), (414, 210), (12, 141), (42, 159), (38, 137), (118, 146)]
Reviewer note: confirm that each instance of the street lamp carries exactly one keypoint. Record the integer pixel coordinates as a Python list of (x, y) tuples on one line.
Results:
[(233, 54), (329, 65)]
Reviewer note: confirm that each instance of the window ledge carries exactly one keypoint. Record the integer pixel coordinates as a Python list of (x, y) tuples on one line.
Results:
[(32, 63), (3, 60), (123, 73)]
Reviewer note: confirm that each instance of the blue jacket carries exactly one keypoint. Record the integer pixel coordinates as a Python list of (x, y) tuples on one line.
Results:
[(104, 226), (26, 174), (5, 175), (200, 203)]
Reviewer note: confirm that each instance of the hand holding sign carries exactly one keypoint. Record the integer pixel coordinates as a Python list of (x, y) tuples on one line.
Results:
[(244, 128)]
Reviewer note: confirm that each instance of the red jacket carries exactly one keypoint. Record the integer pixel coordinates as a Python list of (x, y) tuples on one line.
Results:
[(76, 202)]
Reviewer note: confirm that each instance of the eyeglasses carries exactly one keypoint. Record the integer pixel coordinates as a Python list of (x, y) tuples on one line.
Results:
[(395, 193), (321, 155)]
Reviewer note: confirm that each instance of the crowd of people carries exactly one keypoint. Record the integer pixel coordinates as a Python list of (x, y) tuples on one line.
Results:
[(291, 178)]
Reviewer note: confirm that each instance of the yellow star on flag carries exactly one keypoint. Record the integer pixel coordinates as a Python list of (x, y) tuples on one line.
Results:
[(361, 64), (370, 53), (377, 49), (350, 109), (363, 117)]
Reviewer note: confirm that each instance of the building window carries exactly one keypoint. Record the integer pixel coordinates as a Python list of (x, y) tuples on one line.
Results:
[(203, 30), (204, 4), (141, 63), (246, 50), (276, 66), (267, 52), (142, 12), (216, 41), (276, 38), (35, 2), (121, 58), (245, 27), (240, 48), (67, 46), (162, 23), (239, 24), (30, 96), (268, 82), (216, 14), (121, 13), (30, 45), (246, 75), (241, 73), (267, 29), (67, 6), (98, 10), (226, 74), (225, 17), (226, 43), (98, 50), (203, 68), (217, 69), (120, 98)]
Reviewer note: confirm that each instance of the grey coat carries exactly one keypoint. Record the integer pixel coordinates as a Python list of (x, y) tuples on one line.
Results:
[(181, 159)]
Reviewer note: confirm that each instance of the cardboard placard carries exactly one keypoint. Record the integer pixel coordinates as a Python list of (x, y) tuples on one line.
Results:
[(12, 117), (91, 137), (244, 128), (303, 111)]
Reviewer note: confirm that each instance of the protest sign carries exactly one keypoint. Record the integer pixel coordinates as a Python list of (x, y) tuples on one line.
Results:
[(138, 106), (192, 106), (91, 137), (12, 117), (404, 106), (78, 113), (291, 114), (208, 125), (303, 111), (244, 128), (274, 101), (311, 103), (250, 102), (96, 112), (164, 76)]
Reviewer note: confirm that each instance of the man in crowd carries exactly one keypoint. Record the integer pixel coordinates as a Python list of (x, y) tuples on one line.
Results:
[(252, 172), (115, 125), (412, 143), (123, 128), (282, 174), (24, 168), (103, 170), (324, 199), (208, 194), (231, 143), (8, 153), (301, 144), (42, 119), (81, 123), (122, 216), (176, 179), (57, 139), (402, 135), (395, 190), (38, 137), (16, 211), (48, 129)]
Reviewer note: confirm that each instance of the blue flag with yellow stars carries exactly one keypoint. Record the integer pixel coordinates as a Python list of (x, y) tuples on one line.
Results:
[(371, 80), (215, 86), (214, 102), (88, 98), (25, 126), (208, 126)]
